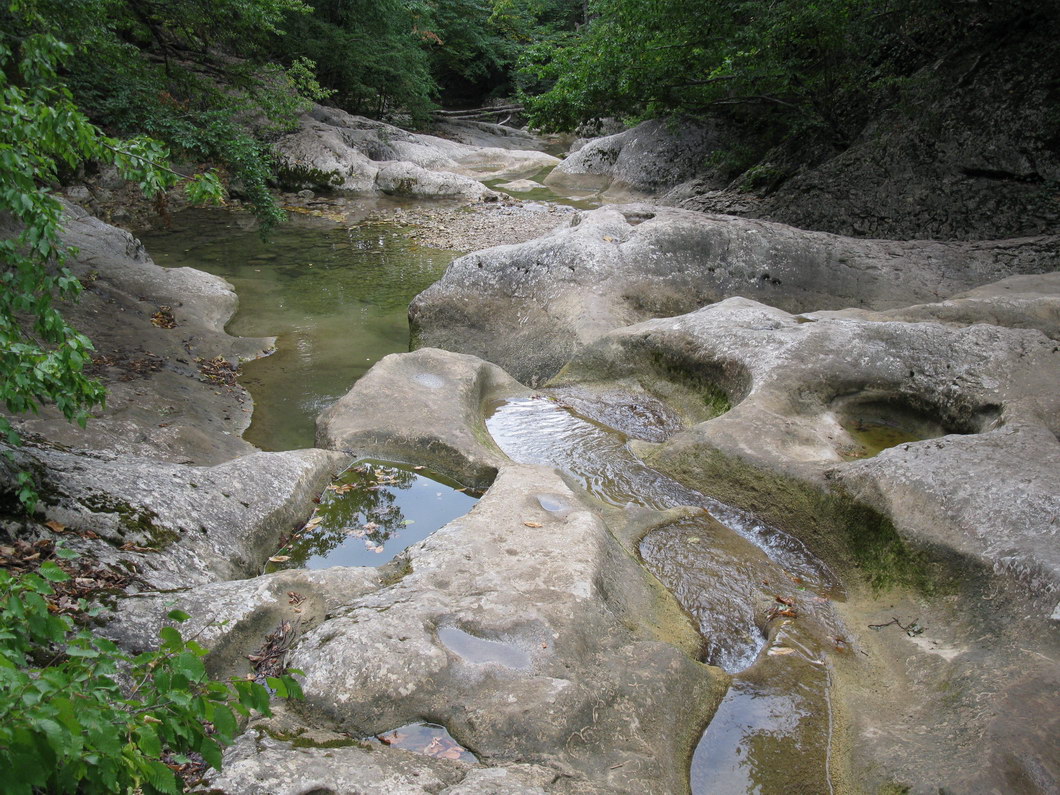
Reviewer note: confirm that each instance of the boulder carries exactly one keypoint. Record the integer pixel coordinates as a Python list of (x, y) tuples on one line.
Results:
[(425, 408), (530, 307), (161, 351), (176, 525), (408, 179), (334, 150), (648, 159)]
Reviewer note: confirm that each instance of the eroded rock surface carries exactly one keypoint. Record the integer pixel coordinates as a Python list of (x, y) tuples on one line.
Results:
[(158, 333), (335, 150), (425, 408), (587, 683), (530, 307), (180, 525), (802, 394)]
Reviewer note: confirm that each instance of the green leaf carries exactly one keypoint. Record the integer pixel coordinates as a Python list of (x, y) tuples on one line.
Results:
[(177, 615), (148, 742), (225, 723), (51, 572)]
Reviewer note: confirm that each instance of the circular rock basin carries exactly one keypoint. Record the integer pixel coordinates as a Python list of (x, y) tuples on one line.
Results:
[(370, 513), (876, 424), (428, 739)]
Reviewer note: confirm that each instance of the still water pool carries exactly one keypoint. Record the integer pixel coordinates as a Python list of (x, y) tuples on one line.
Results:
[(336, 299)]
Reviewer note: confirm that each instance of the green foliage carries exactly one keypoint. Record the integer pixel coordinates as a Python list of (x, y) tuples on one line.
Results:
[(69, 724), (368, 52), (195, 77), (42, 357), (798, 66)]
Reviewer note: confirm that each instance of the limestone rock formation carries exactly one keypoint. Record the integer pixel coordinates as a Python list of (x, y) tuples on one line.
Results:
[(646, 160), (334, 150), (179, 525), (159, 337), (975, 409), (423, 407), (530, 307)]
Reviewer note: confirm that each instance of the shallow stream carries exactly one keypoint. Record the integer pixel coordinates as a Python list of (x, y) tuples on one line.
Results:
[(336, 300)]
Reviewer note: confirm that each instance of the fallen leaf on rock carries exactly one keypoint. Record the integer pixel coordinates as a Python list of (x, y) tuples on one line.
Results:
[(778, 651), (313, 522), (54, 525), (131, 547), (785, 600), (533, 524), (279, 558)]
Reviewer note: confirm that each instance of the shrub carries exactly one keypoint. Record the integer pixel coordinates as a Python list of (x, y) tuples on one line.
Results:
[(79, 715)]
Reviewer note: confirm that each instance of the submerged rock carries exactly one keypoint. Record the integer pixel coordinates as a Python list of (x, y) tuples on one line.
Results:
[(530, 307), (333, 150)]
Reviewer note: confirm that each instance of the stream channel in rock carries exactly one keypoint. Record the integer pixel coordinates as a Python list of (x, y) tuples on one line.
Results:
[(335, 297)]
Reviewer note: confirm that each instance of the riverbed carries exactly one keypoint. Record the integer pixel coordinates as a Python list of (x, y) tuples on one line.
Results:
[(332, 285)]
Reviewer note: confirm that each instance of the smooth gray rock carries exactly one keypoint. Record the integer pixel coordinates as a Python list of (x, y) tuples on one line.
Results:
[(408, 179), (532, 636), (260, 765), (530, 307), (984, 484), (159, 402), (183, 525), (424, 408), (334, 150), (1016, 302), (481, 133), (647, 159), (232, 618)]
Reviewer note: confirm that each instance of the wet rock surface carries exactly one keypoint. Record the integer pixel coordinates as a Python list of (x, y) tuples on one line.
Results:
[(564, 593), (904, 425), (530, 307), (800, 391)]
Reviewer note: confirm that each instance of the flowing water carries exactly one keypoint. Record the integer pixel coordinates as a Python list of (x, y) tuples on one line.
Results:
[(761, 600), (335, 298)]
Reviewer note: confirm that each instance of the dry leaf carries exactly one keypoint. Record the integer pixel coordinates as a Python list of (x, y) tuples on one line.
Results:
[(693, 540), (54, 525), (778, 651), (279, 558), (533, 524)]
